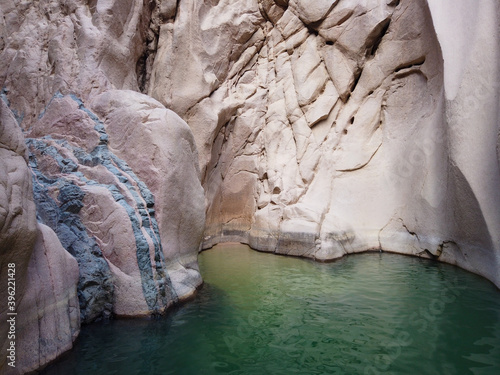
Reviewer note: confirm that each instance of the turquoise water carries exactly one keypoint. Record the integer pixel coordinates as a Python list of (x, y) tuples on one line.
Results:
[(265, 314)]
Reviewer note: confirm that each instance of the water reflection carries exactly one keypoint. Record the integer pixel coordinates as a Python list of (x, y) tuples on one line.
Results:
[(264, 314)]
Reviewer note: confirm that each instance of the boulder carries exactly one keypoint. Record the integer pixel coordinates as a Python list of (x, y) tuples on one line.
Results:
[(159, 147)]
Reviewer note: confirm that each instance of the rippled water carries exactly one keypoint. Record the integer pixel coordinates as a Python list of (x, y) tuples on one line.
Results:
[(265, 314)]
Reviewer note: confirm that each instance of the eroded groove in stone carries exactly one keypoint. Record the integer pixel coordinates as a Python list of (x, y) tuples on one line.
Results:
[(322, 135)]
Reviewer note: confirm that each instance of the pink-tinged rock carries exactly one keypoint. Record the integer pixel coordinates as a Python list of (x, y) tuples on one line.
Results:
[(69, 47), (17, 215), (63, 119), (109, 223), (159, 147), (48, 315)]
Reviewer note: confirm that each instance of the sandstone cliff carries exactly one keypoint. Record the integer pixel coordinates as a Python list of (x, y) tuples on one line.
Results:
[(331, 127), (321, 128)]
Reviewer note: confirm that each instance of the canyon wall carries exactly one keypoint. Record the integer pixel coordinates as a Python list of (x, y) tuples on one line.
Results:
[(102, 205), (331, 127), (317, 129)]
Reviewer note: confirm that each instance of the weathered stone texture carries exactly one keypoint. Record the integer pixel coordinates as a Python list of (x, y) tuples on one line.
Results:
[(17, 216), (129, 209), (43, 276), (48, 320), (322, 128), (331, 127)]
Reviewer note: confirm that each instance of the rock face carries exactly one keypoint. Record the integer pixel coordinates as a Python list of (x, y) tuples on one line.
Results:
[(323, 128), (42, 275), (472, 88), (49, 318), (331, 127), (169, 168), (115, 174), (17, 216), (76, 46), (89, 176), (102, 199)]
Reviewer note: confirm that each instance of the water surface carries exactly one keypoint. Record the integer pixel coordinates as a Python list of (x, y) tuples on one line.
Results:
[(261, 314)]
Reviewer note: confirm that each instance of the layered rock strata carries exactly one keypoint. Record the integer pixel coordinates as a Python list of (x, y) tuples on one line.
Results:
[(115, 174), (325, 128)]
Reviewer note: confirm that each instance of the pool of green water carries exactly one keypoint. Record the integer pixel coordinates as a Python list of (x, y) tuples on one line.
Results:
[(259, 313)]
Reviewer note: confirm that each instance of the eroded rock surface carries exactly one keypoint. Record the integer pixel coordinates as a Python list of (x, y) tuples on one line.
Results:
[(35, 270), (102, 199), (75, 47), (324, 127), (159, 147), (17, 217), (115, 174), (56, 59), (48, 315)]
